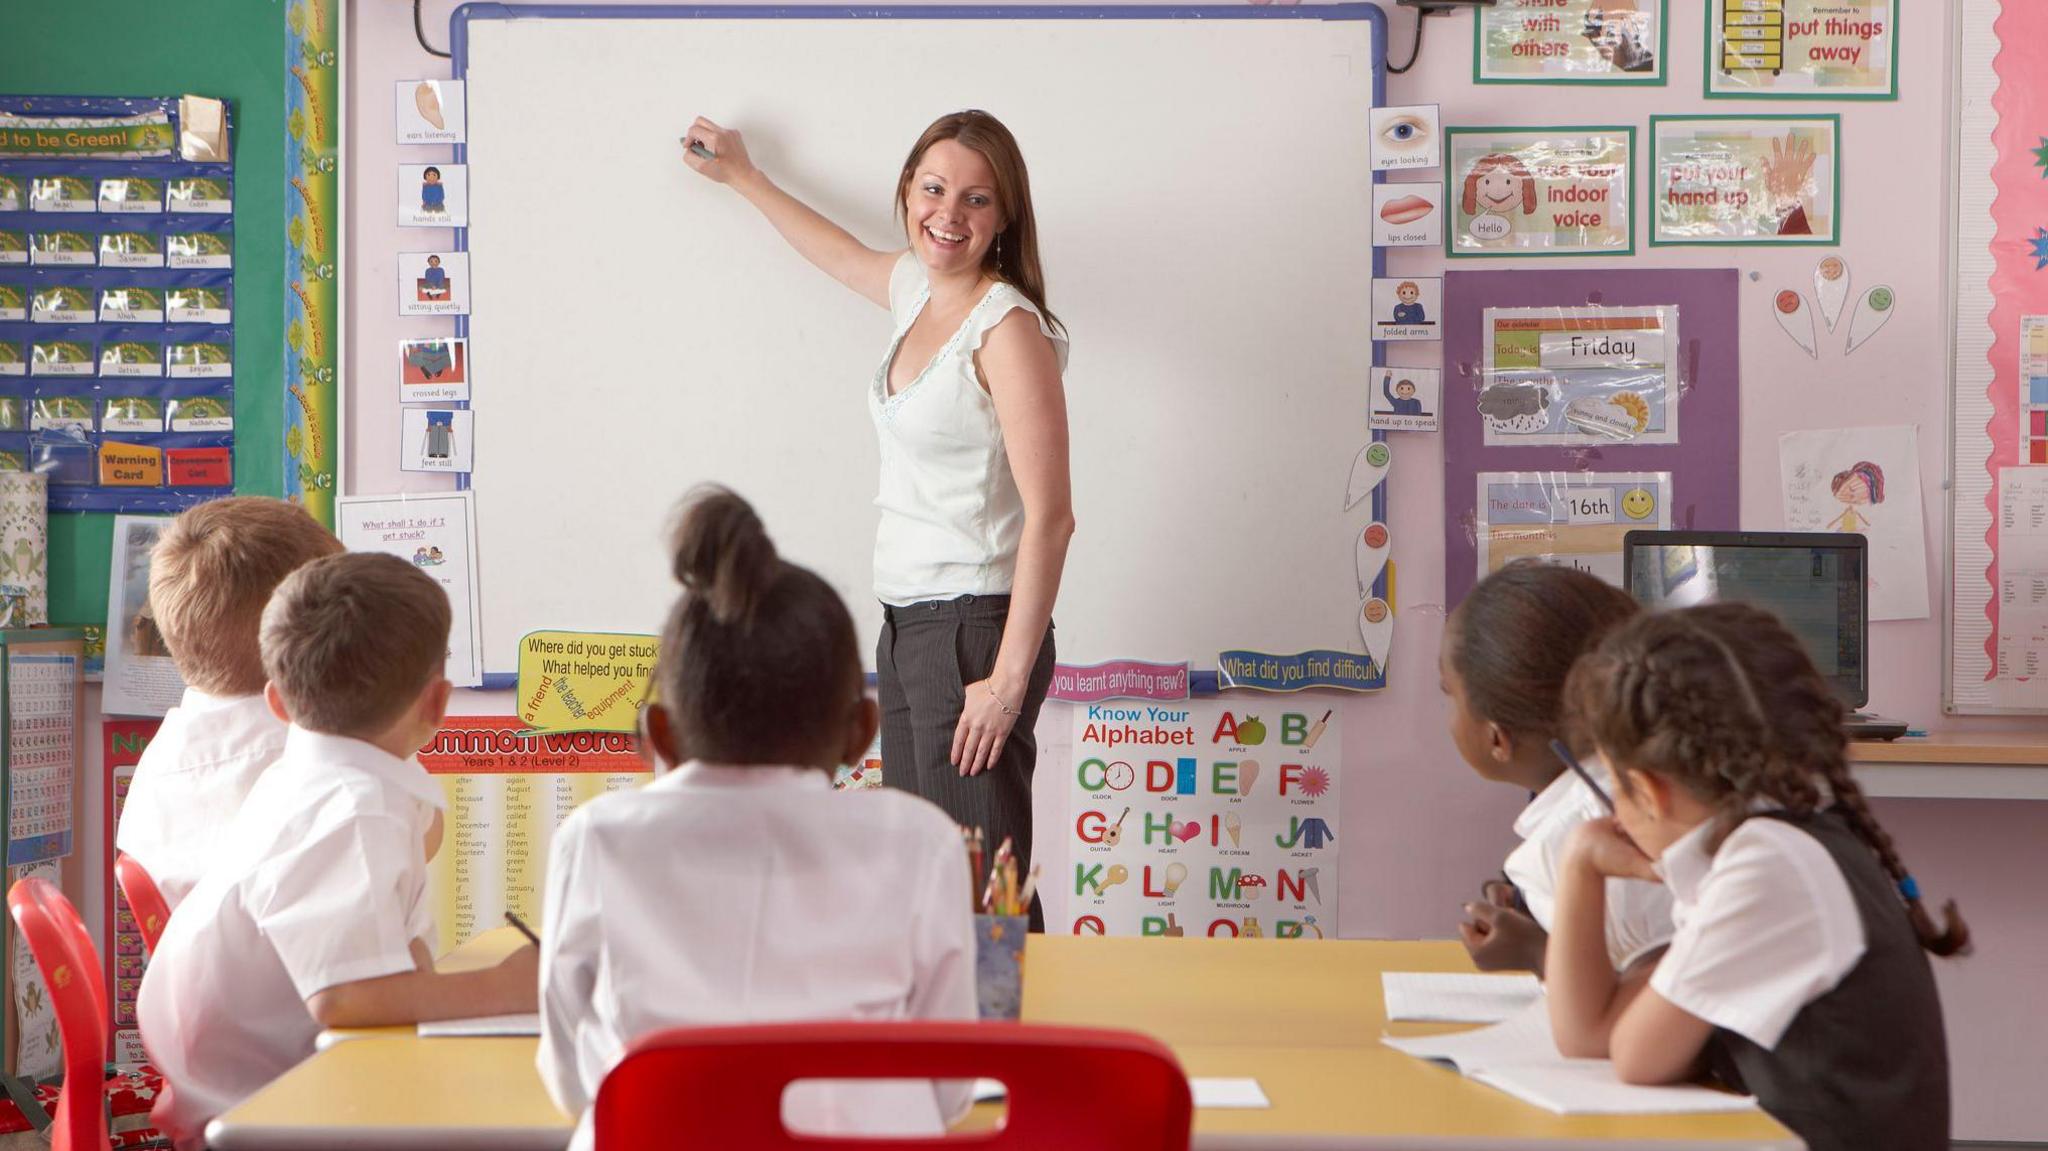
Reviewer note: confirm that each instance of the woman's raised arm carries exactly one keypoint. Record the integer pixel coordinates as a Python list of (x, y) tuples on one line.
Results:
[(831, 248)]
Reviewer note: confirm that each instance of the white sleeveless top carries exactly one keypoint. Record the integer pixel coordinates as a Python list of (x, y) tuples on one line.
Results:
[(951, 513)]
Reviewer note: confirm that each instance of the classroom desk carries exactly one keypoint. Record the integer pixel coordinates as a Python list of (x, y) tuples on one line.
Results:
[(1303, 1018), (1975, 766)]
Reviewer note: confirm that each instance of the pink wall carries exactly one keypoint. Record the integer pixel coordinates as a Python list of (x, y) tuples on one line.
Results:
[(1420, 830)]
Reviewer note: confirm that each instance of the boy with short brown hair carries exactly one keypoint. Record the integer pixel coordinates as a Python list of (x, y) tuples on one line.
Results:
[(317, 914), (211, 573)]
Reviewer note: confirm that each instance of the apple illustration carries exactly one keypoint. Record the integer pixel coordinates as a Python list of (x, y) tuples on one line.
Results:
[(1251, 732)]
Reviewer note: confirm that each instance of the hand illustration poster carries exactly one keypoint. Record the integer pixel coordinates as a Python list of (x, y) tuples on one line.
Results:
[(1803, 49), (1745, 180), (1575, 519), (1540, 191), (1864, 480), (1571, 42), (1585, 376), (1210, 818)]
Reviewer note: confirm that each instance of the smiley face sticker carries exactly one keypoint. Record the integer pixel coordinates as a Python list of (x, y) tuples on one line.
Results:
[(1371, 552), (1367, 470), (1639, 503), (1376, 628)]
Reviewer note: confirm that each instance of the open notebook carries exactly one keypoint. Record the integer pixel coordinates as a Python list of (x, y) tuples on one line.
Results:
[(1456, 997), (1519, 1057)]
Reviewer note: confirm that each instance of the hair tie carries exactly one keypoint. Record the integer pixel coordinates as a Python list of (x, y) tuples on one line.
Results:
[(1909, 889)]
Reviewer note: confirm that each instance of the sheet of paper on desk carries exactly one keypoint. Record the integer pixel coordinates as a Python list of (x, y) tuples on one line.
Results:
[(1228, 1094), (1519, 1057), (482, 1026), (1456, 997)]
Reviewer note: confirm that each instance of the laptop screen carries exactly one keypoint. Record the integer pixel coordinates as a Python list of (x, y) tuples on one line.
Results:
[(1814, 581)]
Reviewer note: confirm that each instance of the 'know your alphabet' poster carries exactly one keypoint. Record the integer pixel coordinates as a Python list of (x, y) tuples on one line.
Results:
[(1205, 818)]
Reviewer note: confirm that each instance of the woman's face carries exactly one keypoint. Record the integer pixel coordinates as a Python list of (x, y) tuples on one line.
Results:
[(1498, 188), (950, 208), (1854, 490)]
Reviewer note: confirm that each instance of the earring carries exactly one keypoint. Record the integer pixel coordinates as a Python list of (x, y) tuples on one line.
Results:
[(999, 249)]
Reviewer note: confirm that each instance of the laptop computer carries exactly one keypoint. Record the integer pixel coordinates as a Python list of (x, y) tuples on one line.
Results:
[(1817, 582)]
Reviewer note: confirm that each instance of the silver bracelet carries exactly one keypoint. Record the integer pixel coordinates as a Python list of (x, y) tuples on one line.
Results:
[(1006, 708)]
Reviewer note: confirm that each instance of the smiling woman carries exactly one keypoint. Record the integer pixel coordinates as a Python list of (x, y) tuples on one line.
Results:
[(976, 509)]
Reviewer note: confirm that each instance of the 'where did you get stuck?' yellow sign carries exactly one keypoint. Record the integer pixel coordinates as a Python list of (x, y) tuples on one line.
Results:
[(583, 681)]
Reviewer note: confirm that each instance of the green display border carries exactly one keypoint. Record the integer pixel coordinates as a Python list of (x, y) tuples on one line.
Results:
[(1650, 181), (1660, 80), (1712, 41), (1628, 184)]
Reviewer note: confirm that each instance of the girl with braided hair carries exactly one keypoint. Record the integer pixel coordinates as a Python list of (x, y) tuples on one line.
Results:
[(1798, 971)]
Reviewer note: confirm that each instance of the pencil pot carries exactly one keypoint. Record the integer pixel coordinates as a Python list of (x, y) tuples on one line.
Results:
[(999, 964)]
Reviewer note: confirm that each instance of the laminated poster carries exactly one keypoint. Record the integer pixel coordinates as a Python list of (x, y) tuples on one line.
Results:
[(436, 532), (141, 676), (124, 742), (1213, 818), (1540, 191), (1574, 519), (1803, 49), (2022, 637), (1766, 180), (1579, 376), (507, 790), (1571, 42)]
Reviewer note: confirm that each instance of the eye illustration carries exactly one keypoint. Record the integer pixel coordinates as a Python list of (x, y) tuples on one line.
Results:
[(1404, 133)]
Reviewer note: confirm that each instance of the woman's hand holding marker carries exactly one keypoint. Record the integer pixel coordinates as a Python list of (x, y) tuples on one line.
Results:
[(716, 153)]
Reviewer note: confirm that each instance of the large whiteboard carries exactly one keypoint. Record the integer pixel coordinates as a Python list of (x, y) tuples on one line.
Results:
[(1203, 190)]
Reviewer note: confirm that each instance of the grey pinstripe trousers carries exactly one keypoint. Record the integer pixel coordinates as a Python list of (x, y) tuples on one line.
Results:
[(927, 654)]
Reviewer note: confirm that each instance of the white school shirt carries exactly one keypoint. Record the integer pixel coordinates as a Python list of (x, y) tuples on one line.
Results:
[(724, 895), (322, 881), (1638, 912), (1766, 925), (951, 513), (190, 783)]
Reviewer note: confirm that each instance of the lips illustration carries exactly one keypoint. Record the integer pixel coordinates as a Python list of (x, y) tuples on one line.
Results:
[(1406, 210)]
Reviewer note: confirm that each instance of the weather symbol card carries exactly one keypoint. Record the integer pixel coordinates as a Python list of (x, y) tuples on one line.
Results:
[(1406, 136), (1407, 215), (433, 195), (1200, 818), (1408, 308), (429, 111), (435, 440), (433, 370), (1406, 399), (433, 283)]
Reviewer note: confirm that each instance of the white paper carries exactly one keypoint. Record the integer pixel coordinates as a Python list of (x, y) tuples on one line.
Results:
[(436, 440), (1407, 215), (1408, 308), (1519, 1056), (433, 283), (1456, 997), (435, 531), (1405, 399), (141, 677), (1406, 137), (483, 1025), (1864, 480), (2022, 651), (418, 184), (428, 111), (1228, 1094)]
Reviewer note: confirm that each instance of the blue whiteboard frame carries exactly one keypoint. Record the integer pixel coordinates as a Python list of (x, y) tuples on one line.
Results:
[(1199, 682)]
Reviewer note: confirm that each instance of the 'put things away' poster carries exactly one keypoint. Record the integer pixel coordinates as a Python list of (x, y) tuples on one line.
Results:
[(1203, 818)]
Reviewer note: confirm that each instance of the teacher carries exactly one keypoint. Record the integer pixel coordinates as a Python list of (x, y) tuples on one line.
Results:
[(975, 495)]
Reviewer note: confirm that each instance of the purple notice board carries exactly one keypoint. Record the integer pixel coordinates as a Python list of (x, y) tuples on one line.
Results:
[(1705, 463)]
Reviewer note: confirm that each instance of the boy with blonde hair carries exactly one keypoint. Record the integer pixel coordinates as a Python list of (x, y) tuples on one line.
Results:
[(316, 915), (211, 573)]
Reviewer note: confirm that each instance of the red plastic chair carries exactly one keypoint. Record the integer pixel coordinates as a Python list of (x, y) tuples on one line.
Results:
[(1071, 1088), (152, 911), (64, 953)]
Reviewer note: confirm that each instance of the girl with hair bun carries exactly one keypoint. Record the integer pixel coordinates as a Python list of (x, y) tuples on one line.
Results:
[(1798, 970), (739, 887), (971, 414)]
